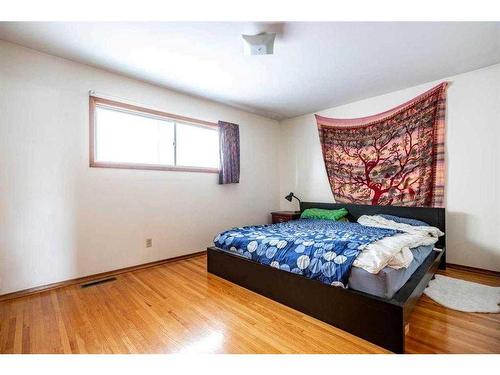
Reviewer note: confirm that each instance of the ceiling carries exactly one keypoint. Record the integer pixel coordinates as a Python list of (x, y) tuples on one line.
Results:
[(316, 65)]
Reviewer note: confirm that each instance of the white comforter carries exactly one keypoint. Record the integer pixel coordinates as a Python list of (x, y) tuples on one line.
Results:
[(393, 251)]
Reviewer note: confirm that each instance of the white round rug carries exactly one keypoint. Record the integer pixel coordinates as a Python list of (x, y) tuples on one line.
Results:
[(464, 295)]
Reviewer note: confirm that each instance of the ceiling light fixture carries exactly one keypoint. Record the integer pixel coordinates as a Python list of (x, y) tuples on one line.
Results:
[(260, 44)]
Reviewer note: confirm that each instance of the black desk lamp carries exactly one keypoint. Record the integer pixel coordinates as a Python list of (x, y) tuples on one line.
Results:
[(290, 196)]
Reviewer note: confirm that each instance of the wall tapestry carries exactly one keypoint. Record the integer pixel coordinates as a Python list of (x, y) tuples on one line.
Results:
[(392, 158)]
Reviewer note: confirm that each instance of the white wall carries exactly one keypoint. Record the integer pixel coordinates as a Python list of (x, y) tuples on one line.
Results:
[(473, 161), (60, 219)]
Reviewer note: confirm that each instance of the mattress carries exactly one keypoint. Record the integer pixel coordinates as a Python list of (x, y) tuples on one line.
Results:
[(389, 280)]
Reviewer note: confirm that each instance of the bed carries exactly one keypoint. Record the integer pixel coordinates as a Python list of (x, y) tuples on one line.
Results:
[(375, 306)]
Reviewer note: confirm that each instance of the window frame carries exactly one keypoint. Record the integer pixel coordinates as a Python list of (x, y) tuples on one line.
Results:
[(95, 101)]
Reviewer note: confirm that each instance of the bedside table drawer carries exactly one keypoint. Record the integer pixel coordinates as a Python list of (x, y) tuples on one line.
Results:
[(282, 216), (280, 219)]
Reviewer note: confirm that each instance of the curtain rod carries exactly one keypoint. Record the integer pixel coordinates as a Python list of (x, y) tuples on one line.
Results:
[(128, 104)]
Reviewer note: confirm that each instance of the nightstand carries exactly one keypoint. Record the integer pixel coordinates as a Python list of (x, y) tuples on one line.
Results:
[(282, 216)]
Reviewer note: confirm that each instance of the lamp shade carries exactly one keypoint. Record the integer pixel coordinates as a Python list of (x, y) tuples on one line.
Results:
[(289, 197)]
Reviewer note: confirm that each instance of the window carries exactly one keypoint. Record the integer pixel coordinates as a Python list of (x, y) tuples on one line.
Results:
[(127, 136)]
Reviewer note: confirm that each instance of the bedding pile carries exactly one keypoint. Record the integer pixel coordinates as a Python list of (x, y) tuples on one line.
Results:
[(318, 249), (325, 249), (393, 251)]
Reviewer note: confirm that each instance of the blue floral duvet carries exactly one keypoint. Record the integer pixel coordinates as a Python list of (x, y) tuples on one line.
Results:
[(318, 249)]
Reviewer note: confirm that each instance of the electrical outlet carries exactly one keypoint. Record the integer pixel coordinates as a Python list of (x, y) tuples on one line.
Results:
[(149, 242)]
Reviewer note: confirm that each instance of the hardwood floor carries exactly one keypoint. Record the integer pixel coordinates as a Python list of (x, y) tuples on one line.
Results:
[(178, 307)]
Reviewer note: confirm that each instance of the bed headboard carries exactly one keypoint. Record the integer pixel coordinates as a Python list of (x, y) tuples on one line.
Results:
[(433, 216)]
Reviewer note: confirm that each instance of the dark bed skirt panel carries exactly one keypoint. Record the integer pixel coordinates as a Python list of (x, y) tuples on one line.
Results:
[(372, 318)]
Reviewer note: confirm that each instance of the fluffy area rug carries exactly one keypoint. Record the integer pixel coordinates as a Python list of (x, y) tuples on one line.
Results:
[(464, 295)]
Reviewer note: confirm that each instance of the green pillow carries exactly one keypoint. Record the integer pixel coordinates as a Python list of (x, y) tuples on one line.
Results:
[(320, 213)]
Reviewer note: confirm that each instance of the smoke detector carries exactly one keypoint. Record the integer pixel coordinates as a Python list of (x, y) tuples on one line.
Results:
[(260, 44)]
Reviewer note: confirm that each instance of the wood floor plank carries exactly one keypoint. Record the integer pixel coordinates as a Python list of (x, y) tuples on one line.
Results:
[(178, 307)]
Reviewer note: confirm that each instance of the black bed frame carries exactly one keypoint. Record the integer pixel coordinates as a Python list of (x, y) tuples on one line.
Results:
[(372, 318)]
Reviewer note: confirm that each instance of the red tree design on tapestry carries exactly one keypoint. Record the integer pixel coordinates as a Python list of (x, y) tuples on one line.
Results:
[(392, 158)]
